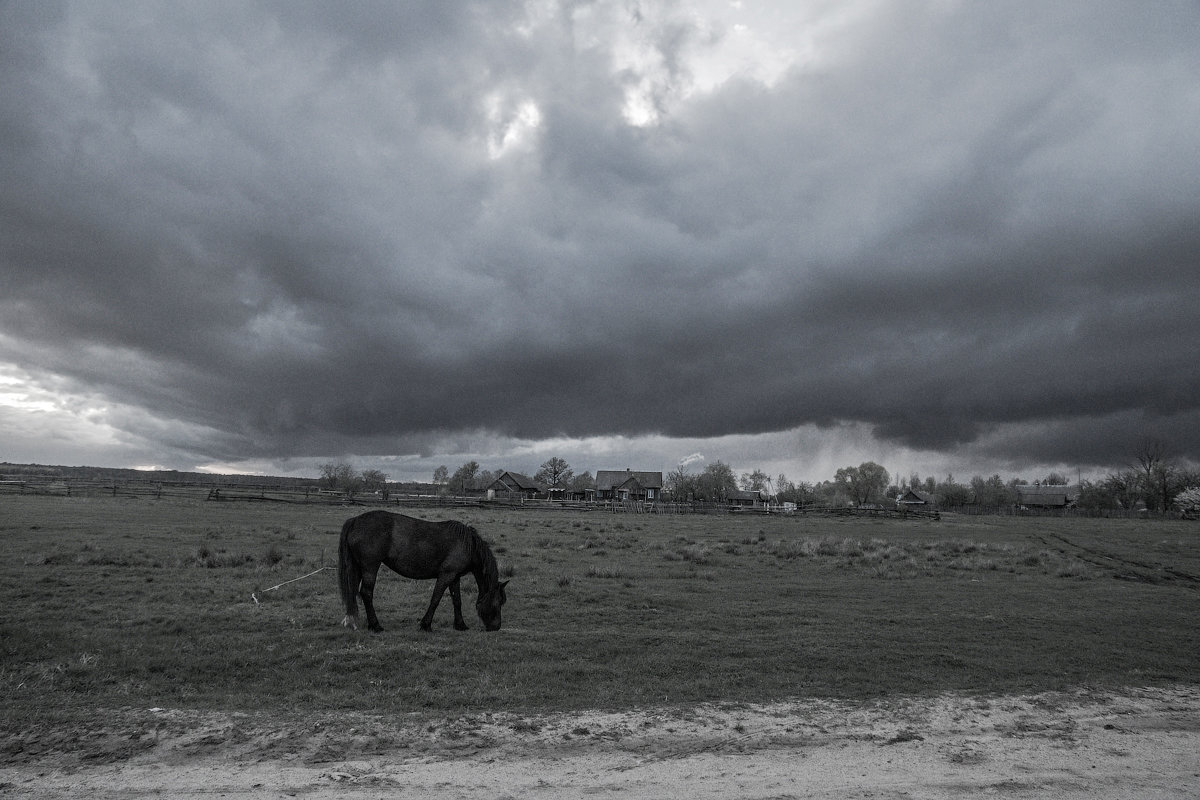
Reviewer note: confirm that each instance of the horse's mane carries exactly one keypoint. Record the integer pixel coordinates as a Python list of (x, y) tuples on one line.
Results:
[(481, 554)]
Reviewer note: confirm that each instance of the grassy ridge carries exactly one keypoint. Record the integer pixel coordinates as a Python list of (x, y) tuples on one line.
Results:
[(111, 602)]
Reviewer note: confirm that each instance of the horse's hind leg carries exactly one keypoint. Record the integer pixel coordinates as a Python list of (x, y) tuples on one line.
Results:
[(367, 593), (459, 623)]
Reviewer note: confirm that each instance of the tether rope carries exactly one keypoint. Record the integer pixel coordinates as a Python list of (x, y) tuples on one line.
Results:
[(254, 595)]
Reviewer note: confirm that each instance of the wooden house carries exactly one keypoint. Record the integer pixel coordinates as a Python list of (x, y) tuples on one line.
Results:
[(743, 499), (1047, 496), (628, 485), (511, 485), (914, 498)]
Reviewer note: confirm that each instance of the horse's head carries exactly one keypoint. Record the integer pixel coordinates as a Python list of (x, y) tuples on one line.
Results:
[(488, 605)]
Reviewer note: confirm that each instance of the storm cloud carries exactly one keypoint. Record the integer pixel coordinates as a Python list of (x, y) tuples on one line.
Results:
[(277, 230)]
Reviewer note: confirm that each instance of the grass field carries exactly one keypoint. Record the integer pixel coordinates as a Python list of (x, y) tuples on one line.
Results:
[(111, 603)]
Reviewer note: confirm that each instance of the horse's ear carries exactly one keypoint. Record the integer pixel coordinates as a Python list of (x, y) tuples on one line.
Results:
[(502, 585)]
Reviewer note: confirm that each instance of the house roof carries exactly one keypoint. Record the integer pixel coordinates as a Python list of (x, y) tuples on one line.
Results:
[(739, 494), (1046, 495), (607, 479), (520, 481), (914, 496), (1047, 489)]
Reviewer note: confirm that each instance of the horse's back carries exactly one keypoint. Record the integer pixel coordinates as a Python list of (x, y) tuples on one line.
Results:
[(415, 548), (374, 519)]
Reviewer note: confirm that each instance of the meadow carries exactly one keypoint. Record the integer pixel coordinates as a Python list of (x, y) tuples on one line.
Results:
[(135, 603)]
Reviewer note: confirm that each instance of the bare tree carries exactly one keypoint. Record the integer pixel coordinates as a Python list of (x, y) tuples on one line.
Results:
[(756, 481), (1159, 474), (374, 481), (340, 476), (555, 473), (680, 484), (1125, 488)]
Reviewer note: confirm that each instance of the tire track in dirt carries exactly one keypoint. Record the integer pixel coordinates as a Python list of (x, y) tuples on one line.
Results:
[(1140, 571)]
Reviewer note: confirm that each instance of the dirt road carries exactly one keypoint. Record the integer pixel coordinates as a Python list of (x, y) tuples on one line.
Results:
[(1105, 745)]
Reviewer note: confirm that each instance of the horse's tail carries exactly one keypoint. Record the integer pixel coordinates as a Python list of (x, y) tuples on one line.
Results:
[(349, 576)]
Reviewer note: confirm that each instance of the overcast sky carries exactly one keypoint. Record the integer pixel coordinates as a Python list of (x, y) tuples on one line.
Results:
[(258, 235)]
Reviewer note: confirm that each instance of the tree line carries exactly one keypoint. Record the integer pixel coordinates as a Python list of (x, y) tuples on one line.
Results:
[(555, 473), (1154, 480), (469, 478)]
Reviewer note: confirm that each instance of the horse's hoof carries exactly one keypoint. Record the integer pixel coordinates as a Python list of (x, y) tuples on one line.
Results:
[(376, 628), (349, 622), (426, 627), (461, 626)]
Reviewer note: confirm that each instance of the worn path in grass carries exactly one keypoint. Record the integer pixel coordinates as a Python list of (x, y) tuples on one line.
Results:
[(1094, 744)]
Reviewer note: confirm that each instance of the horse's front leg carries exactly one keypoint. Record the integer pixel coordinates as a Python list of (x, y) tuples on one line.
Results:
[(439, 588), (459, 623)]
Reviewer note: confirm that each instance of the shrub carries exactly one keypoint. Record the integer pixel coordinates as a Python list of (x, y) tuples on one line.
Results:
[(272, 556), (693, 553)]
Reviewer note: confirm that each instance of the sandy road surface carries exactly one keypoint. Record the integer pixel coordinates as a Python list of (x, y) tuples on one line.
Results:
[(1142, 743)]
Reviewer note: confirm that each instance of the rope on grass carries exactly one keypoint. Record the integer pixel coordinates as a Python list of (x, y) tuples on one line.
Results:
[(254, 595)]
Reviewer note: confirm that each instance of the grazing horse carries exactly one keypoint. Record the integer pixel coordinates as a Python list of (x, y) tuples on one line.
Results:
[(419, 549)]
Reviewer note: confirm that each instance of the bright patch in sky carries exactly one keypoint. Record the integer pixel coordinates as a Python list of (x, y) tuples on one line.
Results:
[(244, 469), (16, 393), (513, 126)]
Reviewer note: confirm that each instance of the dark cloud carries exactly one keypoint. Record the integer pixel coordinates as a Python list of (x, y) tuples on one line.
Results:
[(283, 230)]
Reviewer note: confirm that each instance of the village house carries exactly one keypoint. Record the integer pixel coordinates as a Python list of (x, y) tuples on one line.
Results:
[(914, 498), (739, 499), (628, 485), (1047, 496), (513, 485)]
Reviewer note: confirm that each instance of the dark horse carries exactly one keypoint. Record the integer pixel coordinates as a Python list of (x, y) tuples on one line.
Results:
[(419, 549)]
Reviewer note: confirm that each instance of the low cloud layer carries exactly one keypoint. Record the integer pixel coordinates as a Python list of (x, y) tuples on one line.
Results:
[(274, 230)]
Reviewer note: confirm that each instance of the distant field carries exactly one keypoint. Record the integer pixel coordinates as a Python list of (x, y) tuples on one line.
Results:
[(136, 603)]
